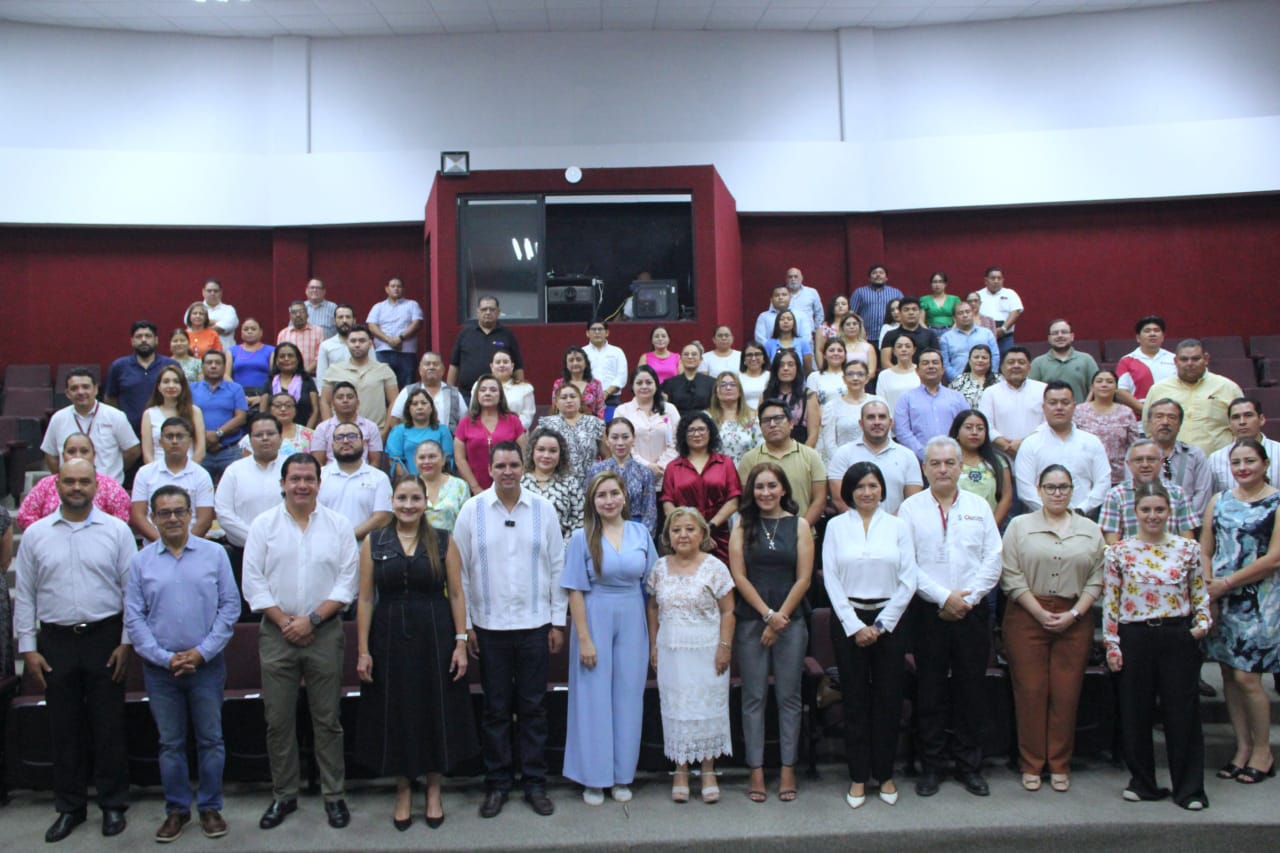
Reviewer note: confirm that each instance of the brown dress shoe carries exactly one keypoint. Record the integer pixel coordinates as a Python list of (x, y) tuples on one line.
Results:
[(212, 824), (172, 826)]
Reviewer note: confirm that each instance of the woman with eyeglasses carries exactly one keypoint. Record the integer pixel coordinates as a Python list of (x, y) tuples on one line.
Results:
[(703, 478), (842, 415), (754, 374), (294, 437), (289, 375), (1052, 575), (736, 421)]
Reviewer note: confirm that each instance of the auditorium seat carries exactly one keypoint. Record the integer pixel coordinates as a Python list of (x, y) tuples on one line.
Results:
[(1269, 371), (1269, 398), (19, 445), (26, 376), (1224, 346), (28, 403), (1114, 349), (1241, 371), (64, 369), (1264, 346), (1036, 348), (1093, 348)]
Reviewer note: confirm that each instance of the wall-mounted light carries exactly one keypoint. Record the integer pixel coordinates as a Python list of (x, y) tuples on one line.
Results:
[(455, 164)]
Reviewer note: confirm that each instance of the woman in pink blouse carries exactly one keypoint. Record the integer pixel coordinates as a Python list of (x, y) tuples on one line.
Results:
[(664, 362), (43, 499), (1155, 612), (655, 421), (1113, 424), (488, 422)]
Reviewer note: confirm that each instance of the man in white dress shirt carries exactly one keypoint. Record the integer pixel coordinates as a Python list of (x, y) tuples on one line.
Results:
[(301, 569), (1014, 406), (352, 487), (1246, 419), (72, 570), (222, 317), (1058, 440), (898, 465), (958, 553), (333, 349), (1002, 305), (608, 365), (512, 554), (249, 487)]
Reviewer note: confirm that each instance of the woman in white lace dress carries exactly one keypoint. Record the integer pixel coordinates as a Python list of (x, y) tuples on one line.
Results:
[(690, 641)]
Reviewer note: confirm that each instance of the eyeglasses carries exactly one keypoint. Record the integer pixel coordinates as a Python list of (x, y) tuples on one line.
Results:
[(345, 437), (773, 419), (165, 514), (176, 436), (733, 385), (696, 431), (1056, 488)]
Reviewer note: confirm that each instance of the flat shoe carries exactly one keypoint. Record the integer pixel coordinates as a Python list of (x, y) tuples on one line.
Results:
[(1230, 770), (1060, 782), (1031, 782), (62, 827)]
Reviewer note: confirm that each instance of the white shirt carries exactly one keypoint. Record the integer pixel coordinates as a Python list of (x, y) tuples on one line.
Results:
[(899, 466), (963, 554), (71, 572), (357, 495), (192, 479), (521, 402), (511, 562), (1081, 453), (247, 489), (999, 305), (224, 317), (1220, 465), (1161, 365), (713, 365), (298, 570), (1013, 412), (608, 365), (753, 387), (872, 563), (107, 427), (332, 351)]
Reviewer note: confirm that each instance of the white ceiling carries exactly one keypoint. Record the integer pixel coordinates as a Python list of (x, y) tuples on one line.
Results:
[(335, 18)]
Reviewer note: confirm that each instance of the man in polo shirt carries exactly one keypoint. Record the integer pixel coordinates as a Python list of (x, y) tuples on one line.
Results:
[(394, 323), (115, 444), (374, 381), (956, 342), (474, 346), (1014, 406), (346, 410), (132, 378), (1064, 363), (225, 408), (802, 465), (1246, 419), (1119, 517), (320, 310), (1145, 366), (352, 487), (173, 468), (900, 467), (1002, 305), (334, 349), (871, 301), (303, 334), (1204, 397)]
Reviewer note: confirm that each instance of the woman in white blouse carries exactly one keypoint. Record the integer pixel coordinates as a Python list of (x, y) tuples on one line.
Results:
[(655, 421), (869, 571), (753, 372), (842, 414), (520, 399)]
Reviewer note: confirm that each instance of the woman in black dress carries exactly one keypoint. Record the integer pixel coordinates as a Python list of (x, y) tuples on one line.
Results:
[(415, 705)]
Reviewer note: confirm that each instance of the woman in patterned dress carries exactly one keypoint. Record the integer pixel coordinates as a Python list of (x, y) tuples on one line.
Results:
[(1114, 424), (976, 376), (549, 473), (739, 428), (445, 494), (577, 371), (581, 431), (642, 494), (1241, 550)]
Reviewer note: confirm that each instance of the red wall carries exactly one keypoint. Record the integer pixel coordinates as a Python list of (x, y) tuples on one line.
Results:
[(69, 294)]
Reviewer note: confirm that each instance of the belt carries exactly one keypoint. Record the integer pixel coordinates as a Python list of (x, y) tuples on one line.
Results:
[(1167, 622), (868, 603), (79, 627)]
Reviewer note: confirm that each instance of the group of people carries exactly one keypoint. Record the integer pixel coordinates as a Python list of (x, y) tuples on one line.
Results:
[(690, 527)]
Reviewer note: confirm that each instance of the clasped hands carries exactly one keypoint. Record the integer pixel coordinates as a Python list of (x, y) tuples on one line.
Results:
[(955, 607), (298, 631), (185, 663)]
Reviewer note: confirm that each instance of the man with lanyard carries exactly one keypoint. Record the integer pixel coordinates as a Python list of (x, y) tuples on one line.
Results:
[(115, 444)]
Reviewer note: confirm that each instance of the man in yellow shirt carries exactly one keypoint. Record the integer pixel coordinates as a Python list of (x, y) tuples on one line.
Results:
[(1204, 397)]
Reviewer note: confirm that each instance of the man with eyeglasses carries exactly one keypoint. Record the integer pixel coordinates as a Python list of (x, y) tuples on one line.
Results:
[(474, 347), (352, 487), (608, 365), (802, 465), (1058, 440), (1181, 464), (174, 468), (1119, 517), (346, 410), (180, 606)]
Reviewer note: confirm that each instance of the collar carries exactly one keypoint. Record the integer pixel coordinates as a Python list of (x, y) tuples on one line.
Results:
[(94, 517), (793, 447), (493, 500), (1037, 524), (161, 548)]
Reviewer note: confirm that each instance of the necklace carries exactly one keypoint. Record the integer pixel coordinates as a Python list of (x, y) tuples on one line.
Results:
[(770, 534), (1250, 497)]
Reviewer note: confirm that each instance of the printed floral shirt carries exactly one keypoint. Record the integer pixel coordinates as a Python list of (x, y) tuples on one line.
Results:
[(1144, 581)]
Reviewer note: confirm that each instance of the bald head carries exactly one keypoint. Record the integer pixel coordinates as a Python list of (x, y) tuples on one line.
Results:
[(77, 485)]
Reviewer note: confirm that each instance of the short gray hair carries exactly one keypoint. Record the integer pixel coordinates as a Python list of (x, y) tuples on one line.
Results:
[(943, 441)]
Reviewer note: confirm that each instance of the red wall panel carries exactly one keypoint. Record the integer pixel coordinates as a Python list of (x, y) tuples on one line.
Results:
[(773, 244)]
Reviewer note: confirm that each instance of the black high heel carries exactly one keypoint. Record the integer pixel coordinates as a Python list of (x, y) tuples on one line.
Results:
[(434, 822), (402, 825)]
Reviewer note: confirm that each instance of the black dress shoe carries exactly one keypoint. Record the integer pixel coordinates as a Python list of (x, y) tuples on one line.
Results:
[(62, 827), (435, 822), (927, 785), (541, 803), (337, 813), (277, 812), (113, 822), (402, 825), (494, 800), (973, 783)]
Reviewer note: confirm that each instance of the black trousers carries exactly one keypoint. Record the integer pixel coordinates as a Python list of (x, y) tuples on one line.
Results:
[(83, 699), (871, 685), (951, 662), (1162, 661), (513, 673)]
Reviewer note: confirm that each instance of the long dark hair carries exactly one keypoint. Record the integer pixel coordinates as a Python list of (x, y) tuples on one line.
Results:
[(990, 378), (300, 371), (659, 399), (773, 389), (426, 533), (749, 513), (996, 460), (564, 364)]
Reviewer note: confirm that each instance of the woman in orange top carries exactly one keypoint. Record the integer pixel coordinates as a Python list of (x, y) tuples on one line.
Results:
[(203, 336)]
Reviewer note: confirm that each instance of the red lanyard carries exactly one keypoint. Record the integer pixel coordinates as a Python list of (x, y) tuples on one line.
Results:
[(942, 515)]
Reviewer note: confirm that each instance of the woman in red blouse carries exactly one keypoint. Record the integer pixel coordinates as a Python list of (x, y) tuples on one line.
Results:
[(703, 478), (488, 422)]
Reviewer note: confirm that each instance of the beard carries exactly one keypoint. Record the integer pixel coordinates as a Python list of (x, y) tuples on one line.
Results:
[(348, 456)]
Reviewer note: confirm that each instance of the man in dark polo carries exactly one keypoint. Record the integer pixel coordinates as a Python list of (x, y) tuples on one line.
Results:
[(474, 347)]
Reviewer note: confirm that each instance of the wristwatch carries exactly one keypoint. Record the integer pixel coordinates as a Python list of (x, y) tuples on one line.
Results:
[(316, 621), (1074, 613), (218, 433)]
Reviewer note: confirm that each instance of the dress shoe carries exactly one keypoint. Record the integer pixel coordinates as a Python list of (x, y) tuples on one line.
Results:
[(113, 822), (927, 785), (402, 825), (337, 813), (435, 822), (62, 827), (538, 799), (172, 826), (889, 798), (973, 782), (855, 801), (277, 812), (494, 800), (212, 824)]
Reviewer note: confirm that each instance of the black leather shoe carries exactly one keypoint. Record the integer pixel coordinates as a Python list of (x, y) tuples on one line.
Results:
[(62, 827), (494, 800), (927, 785), (337, 813), (973, 783), (113, 822), (277, 812), (541, 803)]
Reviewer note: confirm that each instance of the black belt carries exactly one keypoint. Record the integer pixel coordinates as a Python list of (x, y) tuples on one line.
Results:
[(80, 627), (868, 603), (1165, 622)]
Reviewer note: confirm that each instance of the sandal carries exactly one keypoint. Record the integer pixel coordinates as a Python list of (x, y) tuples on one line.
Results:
[(1230, 770), (680, 793), (788, 795), (1060, 782), (754, 794), (1031, 782), (757, 796), (710, 793), (1252, 775)]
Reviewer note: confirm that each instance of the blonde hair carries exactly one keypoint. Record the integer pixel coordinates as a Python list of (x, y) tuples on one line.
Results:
[(701, 522), (592, 528), (744, 416)]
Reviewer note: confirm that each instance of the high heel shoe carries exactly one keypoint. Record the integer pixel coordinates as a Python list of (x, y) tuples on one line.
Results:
[(680, 793), (402, 825), (435, 822), (1252, 775)]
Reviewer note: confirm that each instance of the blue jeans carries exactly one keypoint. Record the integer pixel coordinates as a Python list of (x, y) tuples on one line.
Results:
[(216, 463), (171, 699), (403, 364)]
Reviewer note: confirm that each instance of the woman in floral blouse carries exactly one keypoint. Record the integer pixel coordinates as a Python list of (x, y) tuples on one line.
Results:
[(739, 428), (1155, 612), (549, 473), (577, 372), (642, 493)]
